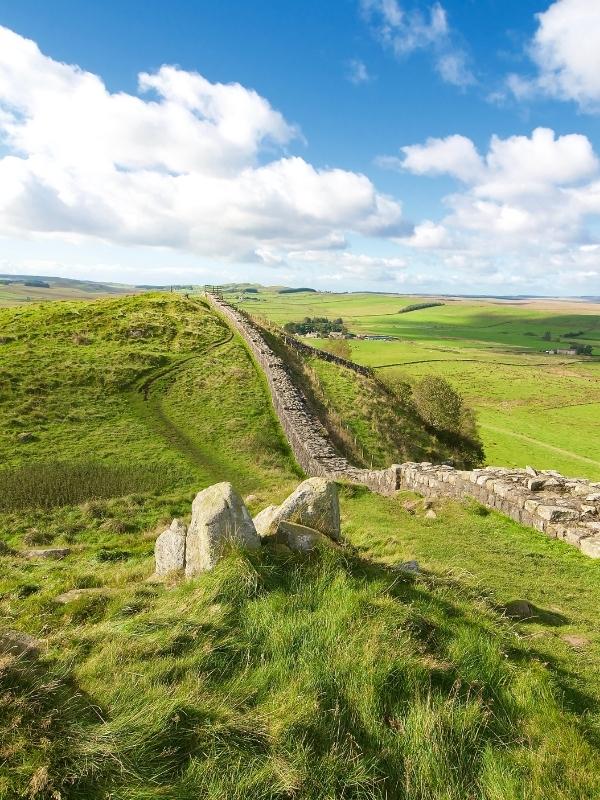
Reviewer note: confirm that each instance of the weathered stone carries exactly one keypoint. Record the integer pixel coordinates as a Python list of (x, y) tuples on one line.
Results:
[(56, 553), (408, 566), (219, 517), (266, 521), (535, 484), (17, 643), (300, 537), (410, 506), (531, 471), (169, 550), (590, 546), (575, 641), (251, 498), (556, 513), (430, 514), (26, 437), (519, 609), (315, 504)]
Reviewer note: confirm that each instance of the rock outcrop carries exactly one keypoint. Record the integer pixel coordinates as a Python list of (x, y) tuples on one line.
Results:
[(17, 643), (169, 550), (219, 517)]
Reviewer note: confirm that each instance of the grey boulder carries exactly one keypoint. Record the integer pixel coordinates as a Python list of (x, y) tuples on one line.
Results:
[(314, 504), (219, 517), (169, 550), (266, 521)]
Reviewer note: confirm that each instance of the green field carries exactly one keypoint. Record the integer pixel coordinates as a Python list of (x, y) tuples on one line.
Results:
[(276, 677), (532, 408)]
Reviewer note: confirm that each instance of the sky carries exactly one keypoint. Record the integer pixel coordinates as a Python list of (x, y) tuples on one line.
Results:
[(381, 145)]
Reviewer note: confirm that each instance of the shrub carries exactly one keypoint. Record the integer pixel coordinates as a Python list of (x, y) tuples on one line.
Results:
[(441, 407), (418, 306)]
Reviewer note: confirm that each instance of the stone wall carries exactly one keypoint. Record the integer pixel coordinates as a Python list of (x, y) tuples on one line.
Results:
[(306, 434), (563, 508), (307, 350)]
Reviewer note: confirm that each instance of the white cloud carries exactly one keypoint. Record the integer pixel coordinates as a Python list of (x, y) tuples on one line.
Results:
[(345, 266), (525, 203), (428, 236), (566, 51), (187, 164), (357, 72), (405, 32), (455, 155)]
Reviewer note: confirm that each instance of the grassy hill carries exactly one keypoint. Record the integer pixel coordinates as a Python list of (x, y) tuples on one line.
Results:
[(329, 676), (532, 407)]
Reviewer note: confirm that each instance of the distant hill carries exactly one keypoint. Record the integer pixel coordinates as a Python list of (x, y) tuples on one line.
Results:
[(18, 289)]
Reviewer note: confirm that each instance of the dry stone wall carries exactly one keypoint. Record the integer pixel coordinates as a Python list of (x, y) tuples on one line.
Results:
[(306, 434), (307, 350), (563, 508)]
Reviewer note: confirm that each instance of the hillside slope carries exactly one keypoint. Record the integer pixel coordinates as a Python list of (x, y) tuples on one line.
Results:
[(335, 675), (370, 423)]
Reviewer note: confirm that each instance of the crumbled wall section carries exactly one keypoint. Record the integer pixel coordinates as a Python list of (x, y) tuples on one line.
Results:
[(563, 508)]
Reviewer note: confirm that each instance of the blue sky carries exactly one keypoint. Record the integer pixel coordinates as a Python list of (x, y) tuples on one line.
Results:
[(377, 144)]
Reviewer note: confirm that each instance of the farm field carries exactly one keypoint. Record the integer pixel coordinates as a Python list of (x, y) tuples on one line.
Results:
[(532, 408)]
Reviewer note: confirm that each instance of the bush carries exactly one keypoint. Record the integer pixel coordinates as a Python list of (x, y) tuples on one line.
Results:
[(418, 306), (441, 407)]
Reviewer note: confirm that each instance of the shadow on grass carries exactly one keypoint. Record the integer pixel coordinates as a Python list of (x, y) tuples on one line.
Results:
[(309, 676)]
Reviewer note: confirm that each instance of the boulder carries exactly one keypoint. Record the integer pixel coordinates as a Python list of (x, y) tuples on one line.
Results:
[(219, 516), (300, 537), (314, 504), (430, 514), (266, 521), (169, 550), (17, 643)]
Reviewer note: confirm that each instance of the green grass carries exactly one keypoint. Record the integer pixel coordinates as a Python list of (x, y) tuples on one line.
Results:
[(276, 676), (493, 354)]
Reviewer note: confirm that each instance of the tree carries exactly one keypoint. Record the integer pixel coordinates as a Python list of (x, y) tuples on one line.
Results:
[(440, 406), (547, 337)]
